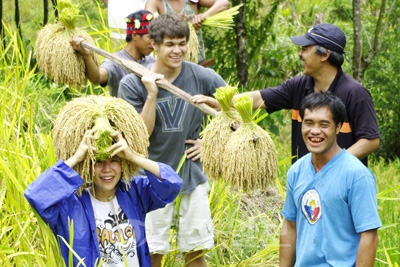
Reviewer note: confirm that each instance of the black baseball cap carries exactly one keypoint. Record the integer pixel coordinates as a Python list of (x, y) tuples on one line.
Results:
[(325, 35)]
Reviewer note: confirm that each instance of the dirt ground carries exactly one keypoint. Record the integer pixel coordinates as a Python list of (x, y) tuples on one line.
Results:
[(269, 202)]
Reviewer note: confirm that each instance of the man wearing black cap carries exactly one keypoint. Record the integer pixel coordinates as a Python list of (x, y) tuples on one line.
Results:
[(322, 53), (138, 49)]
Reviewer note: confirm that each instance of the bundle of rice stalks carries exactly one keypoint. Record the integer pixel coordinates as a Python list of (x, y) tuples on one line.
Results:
[(192, 53), (218, 132), (54, 54), (249, 163), (222, 19), (104, 115)]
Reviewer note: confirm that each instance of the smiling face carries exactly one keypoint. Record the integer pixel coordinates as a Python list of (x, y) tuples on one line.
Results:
[(320, 132), (106, 176), (170, 52), (312, 61)]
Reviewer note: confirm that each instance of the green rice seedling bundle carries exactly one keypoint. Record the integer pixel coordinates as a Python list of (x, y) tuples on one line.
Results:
[(222, 19), (103, 115), (218, 132), (192, 53), (54, 54), (250, 159)]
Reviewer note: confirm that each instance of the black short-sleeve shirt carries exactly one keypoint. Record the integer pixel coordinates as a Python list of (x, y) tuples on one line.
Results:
[(360, 119)]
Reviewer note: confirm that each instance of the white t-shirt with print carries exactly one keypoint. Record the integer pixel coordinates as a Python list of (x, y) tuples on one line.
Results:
[(115, 234)]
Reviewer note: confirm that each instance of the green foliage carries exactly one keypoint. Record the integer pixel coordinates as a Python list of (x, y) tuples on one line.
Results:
[(382, 78), (388, 184)]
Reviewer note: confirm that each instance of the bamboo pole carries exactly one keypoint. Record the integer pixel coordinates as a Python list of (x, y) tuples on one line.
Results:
[(139, 70)]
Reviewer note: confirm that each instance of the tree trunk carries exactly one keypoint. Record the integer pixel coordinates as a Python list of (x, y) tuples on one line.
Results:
[(45, 12), (357, 49), (17, 19), (54, 2), (1, 24), (241, 44), (362, 60)]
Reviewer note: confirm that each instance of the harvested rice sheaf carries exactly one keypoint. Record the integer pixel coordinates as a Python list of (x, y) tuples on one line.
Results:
[(217, 133), (54, 54), (103, 114), (192, 53), (250, 156)]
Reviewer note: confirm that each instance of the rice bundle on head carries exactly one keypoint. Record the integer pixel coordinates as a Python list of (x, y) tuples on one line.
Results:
[(250, 160), (104, 115), (217, 133), (192, 52), (54, 54)]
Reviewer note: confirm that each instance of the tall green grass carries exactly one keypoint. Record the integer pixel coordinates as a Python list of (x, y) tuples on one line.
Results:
[(246, 226)]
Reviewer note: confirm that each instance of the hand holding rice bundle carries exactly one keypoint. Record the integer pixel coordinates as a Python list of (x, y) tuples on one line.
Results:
[(54, 54), (223, 20), (249, 163), (104, 115), (218, 131)]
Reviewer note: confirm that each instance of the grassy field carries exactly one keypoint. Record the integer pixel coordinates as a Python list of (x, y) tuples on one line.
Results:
[(246, 226)]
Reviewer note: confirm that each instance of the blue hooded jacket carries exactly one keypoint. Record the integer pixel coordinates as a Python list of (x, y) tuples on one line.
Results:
[(53, 196)]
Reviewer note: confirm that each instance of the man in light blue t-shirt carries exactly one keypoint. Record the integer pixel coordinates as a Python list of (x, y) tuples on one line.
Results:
[(330, 211)]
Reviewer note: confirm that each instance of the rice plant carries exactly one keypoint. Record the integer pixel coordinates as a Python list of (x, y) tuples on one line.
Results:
[(246, 226)]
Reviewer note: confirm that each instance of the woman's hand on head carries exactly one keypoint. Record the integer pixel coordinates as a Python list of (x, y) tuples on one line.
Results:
[(81, 152), (120, 148)]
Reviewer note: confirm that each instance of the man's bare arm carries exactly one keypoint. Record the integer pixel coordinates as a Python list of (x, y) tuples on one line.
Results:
[(367, 248), (287, 246)]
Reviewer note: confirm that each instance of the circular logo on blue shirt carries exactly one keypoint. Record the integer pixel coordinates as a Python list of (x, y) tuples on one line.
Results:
[(311, 206)]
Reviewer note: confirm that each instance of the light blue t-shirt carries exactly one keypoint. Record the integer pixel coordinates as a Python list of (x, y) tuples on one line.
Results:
[(331, 208)]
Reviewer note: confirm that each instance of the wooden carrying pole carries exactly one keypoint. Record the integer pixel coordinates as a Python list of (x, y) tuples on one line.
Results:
[(139, 70)]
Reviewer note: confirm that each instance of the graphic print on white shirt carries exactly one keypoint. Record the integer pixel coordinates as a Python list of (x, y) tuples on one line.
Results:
[(311, 206), (115, 234)]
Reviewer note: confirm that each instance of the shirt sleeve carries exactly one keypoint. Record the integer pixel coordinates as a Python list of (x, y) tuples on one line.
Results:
[(289, 207), (132, 90), (285, 95), (363, 204), (362, 115), (47, 193)]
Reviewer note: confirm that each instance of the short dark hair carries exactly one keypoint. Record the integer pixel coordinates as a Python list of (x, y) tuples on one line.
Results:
[(138, 15), (170, 25), (335, 59), (317, 100)]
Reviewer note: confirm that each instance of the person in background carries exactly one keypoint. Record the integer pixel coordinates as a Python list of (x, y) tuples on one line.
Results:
[(137, 49), (108, 217), (174, 127), (322, 49), (331, 214), (116, 13), (192, 10)]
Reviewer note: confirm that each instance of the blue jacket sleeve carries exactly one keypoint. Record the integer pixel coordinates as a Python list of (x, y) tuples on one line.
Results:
[(47, 193)]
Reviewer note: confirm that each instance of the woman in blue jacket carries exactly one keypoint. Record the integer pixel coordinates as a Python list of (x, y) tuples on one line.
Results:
[(108, 217)]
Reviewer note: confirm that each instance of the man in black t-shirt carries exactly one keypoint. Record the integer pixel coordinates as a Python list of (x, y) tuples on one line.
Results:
[(322, 49)]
